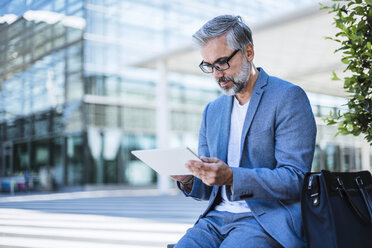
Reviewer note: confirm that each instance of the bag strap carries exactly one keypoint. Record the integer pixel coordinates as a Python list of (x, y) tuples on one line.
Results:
[(365, 196)]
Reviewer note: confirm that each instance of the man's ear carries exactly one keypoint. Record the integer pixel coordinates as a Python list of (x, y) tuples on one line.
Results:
[(249, 52)]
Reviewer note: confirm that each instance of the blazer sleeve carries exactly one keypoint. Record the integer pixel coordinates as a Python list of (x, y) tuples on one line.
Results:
[(200, 191), (294, 142)]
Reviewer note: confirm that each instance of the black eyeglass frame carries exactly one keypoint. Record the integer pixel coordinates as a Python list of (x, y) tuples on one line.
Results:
[(226, 61)]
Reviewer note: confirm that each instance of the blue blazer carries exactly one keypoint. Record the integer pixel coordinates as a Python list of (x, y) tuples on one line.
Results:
[(277, 148)]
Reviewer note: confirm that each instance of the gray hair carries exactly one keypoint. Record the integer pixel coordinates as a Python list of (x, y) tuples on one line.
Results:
[(238, 34)]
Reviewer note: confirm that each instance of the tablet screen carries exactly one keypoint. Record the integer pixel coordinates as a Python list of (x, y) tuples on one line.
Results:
[(167, 161)]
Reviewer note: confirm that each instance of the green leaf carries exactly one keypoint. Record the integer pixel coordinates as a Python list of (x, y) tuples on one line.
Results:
[(345, 61), (360, 98), (369, 43), (359, 10), (335, 76), (369, 2), (322, 6)]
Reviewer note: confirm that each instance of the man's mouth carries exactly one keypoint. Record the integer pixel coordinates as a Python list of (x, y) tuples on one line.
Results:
[(225, 84)]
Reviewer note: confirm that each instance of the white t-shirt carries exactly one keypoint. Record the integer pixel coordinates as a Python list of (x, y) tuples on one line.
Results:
[(233, 156)]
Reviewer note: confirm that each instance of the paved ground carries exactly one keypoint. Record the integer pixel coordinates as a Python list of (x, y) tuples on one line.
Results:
[(102, 219)]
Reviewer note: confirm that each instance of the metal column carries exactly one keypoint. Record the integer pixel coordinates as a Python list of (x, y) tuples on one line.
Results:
[(162, 120)]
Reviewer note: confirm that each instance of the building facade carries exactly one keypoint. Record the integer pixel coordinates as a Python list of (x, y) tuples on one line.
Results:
[(73, 106)]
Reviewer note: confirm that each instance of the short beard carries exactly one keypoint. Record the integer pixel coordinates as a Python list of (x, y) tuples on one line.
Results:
[(240, 81)]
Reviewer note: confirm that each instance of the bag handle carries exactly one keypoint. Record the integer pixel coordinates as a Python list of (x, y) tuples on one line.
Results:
[(365, 196)]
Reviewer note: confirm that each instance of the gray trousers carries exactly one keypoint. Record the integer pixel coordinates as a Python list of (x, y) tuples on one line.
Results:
[(225, 229)]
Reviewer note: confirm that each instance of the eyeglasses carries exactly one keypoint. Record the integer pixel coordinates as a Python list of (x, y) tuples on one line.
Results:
[(220, 65)]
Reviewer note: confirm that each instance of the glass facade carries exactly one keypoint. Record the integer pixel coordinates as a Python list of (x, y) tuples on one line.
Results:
[(72, 107), (41, 80)]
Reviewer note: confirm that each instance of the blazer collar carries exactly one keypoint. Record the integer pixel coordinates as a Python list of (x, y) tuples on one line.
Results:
[(224, 127), (257, 93)]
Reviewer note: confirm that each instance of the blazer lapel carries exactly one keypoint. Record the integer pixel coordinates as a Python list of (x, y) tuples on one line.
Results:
[(253, 105), (224, 128)]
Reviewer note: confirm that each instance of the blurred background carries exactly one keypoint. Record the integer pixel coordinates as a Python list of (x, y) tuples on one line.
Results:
[(84, 82)]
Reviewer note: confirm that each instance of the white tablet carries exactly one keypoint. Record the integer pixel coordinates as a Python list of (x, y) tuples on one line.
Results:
[(167, 162)]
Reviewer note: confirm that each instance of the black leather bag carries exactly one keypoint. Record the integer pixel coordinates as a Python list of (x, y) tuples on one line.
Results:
[(337, 209)]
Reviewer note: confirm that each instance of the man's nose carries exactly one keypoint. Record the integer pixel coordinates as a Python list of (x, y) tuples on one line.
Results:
[(217, 74)]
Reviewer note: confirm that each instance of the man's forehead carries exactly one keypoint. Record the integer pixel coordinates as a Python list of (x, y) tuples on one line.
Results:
[(214, 49)]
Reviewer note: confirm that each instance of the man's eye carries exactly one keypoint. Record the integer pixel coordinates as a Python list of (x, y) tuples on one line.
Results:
[(221, 64)]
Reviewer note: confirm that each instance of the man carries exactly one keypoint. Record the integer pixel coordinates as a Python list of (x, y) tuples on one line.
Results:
[(256, 142)]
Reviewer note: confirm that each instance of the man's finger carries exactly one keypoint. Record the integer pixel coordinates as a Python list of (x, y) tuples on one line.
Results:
[(209, 160), (194, 163)]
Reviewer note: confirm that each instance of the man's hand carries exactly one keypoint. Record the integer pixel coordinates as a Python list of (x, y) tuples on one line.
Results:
[(211, 171), (185, 180), (182, 178)]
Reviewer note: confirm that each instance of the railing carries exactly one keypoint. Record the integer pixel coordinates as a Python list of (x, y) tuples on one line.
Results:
[(324, 111)]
